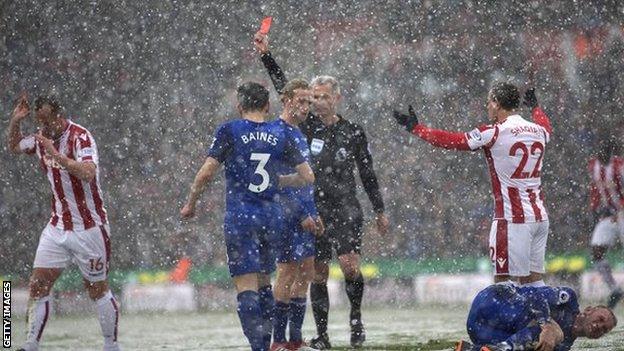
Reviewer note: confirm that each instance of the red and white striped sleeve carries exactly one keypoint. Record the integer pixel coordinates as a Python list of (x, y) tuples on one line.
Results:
[(85, 148), (28, 144), (482, 137), (442, 138)]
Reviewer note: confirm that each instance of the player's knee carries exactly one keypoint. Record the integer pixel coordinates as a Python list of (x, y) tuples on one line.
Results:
[(350, 269), (264, 280), (285, 275), (351, 273), (306, 274), (96, 290), (320, 277), (39, 287), (501, 278)]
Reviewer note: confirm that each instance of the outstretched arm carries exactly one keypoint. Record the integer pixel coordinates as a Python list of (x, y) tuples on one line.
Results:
[(436, 137), (442, 138), (202, 178), (538, 115), (278, 77)]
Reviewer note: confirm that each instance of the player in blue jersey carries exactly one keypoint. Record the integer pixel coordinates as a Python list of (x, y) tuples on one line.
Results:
[(295, 258), (252, 151), (510, 318)]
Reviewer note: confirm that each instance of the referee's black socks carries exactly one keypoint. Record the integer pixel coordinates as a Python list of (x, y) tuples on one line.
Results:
[(355, 291), (320, 306)]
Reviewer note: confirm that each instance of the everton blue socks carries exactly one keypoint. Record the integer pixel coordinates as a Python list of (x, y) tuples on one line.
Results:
[(297, 314), (280, 321), (267, 305), (250, 315)]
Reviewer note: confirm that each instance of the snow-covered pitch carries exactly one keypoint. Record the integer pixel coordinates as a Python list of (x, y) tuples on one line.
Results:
[(396, 328)]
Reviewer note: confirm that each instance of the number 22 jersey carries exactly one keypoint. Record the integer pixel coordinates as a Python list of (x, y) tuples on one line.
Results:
[(252, 154), (514, 150)]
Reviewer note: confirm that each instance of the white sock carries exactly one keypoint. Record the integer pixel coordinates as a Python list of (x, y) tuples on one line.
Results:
[(108, 315), (535, 284), (38, 313)]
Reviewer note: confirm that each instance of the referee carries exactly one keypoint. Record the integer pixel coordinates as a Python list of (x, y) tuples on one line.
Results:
[(337, 147)]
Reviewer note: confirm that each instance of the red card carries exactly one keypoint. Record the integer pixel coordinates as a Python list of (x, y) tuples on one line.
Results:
[(266, 25)]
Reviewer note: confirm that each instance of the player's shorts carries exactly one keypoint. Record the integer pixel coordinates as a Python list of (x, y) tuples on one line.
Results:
[(343, 233), (296, 244), (89, 249), (516, 249), (252, 242), (608, 229)]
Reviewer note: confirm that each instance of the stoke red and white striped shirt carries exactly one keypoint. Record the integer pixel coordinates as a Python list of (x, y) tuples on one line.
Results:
[(607, 184), (514, 150), (76, 204)]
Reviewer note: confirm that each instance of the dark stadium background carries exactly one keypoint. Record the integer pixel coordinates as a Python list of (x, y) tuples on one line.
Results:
[(151, 80)]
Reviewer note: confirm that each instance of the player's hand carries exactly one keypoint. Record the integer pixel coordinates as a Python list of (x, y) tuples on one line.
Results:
[(308, 224), (530, 100), (383, 225), (550, 337), (22, 108), (261, 42), (48, 144), (320, 226), (188, 211), (409, 121)]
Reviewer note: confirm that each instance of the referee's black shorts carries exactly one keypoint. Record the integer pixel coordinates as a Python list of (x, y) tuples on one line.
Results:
[(343, 232)]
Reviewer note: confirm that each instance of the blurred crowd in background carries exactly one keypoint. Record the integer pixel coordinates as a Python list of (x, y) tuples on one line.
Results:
[(152, 82)]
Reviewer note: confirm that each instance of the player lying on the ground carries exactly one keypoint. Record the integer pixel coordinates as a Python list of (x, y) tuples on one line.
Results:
[(78, 230), (295, 256), (607, 204), (504, 317), (514, 149), (338, 145), (253, 151)]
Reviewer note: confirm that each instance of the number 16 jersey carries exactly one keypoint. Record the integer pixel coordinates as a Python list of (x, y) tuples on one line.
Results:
[(514, 150), (252, 153)]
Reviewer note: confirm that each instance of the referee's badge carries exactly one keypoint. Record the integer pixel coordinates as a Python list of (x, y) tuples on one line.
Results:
[(316, 146)]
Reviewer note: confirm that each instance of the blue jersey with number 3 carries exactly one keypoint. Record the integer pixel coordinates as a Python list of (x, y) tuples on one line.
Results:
[(253, 153)]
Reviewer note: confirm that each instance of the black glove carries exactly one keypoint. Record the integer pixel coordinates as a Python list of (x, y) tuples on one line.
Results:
[(409, 121), (530, 100)]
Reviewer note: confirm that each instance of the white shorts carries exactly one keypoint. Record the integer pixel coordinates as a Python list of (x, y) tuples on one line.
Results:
[(89, 249), (516, 249), (608, 229)]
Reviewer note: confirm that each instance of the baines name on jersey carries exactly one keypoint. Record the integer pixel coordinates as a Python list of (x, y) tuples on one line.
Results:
[(259, 136), (525, 129)]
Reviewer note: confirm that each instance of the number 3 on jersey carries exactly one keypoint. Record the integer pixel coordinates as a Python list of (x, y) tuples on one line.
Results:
[(262, 161)]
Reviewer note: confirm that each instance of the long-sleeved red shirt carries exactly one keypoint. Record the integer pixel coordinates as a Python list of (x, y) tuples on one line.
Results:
[(459, 140)]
